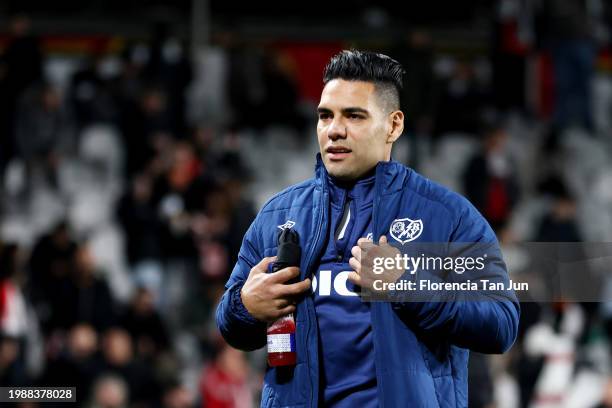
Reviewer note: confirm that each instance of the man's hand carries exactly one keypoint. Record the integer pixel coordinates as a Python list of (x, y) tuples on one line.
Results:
[(361, 262), (266, 296)]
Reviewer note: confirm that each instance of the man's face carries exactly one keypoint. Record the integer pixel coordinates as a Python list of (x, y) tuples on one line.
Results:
[(354, 130)]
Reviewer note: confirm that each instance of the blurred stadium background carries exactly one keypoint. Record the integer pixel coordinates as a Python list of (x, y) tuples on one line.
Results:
[(139, 138)]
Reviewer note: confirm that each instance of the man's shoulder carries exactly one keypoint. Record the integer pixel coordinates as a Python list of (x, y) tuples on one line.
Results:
[(296, 195), (439, 194), (469, 224)]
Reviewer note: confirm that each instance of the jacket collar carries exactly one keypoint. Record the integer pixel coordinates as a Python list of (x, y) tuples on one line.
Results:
[(391, 175)]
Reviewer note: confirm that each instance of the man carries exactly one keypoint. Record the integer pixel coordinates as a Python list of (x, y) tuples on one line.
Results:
[(352, 353)]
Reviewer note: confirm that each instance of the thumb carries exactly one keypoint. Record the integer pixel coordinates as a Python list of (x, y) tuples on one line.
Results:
[(382, 239)]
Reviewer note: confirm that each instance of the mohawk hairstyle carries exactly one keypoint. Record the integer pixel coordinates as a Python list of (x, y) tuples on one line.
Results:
[(354, 65)]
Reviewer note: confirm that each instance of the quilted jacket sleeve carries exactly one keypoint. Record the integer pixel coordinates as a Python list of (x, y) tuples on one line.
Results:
[(486, 325), (238, 327)]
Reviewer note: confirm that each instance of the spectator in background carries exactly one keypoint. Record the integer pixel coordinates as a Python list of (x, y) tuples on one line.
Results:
[(225, 383), (50, 267), (44, 132), (2, 279), (461, 101), (566, 321), (560, 223), (480, 382), (510, 45), (145, 325), (77, 364), (224, 215), (490, 180), (607, 395), (144, 126), (567, 30), (418, 97), (13, 318), (21, 65), (119, 360), (89, 298), (12, 370), (176, 194), (13, 313), (211, 226), (203, 139), (91, 92), (22, 56), (177, 396), (280, 104), (168, 66), (415, 53), (234, 176), (245, 88), (130, 81), (110, 391), (139, 218)]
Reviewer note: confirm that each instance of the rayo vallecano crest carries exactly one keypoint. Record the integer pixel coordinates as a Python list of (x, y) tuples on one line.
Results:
[(405, 230)]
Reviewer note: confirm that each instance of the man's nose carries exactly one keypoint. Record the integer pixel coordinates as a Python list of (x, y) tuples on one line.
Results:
[(337, 130)]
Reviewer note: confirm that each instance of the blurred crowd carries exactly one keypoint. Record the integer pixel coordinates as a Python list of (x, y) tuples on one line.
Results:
[(128, 178), (175, 192)]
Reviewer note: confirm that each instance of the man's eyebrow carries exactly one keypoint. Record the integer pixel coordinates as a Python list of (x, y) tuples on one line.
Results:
[(355, 110), (345, 110)]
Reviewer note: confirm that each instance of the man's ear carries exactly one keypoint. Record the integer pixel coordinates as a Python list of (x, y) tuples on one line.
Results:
[(396, 125)]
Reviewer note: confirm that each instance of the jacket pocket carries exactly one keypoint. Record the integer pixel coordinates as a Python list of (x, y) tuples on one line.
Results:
[(437, 358)]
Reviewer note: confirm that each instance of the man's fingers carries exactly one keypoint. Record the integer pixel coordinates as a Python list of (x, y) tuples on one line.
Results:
[(355, 264), (285, 274), (295, 288), (382, 239), (356, 252), (362, 241), (284, 302), (262, 266), (285, 311), (355, 278)]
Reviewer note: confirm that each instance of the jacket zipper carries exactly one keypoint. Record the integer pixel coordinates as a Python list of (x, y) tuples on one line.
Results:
[(315, 249), (377, 183), (373, 313)]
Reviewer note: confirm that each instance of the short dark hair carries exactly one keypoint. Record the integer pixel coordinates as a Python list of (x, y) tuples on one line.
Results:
[(354, 65)]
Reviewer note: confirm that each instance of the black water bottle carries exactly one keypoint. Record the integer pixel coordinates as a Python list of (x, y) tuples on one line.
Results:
[(281, 333)]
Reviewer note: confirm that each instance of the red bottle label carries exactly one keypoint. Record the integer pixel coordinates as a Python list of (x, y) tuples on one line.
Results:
[(281, 342)]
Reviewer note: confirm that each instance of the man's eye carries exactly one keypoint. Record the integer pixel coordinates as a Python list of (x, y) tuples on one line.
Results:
[(355, 116), (324, 116)]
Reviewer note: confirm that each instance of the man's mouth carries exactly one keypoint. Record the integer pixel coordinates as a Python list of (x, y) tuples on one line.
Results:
[(337, 152)]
